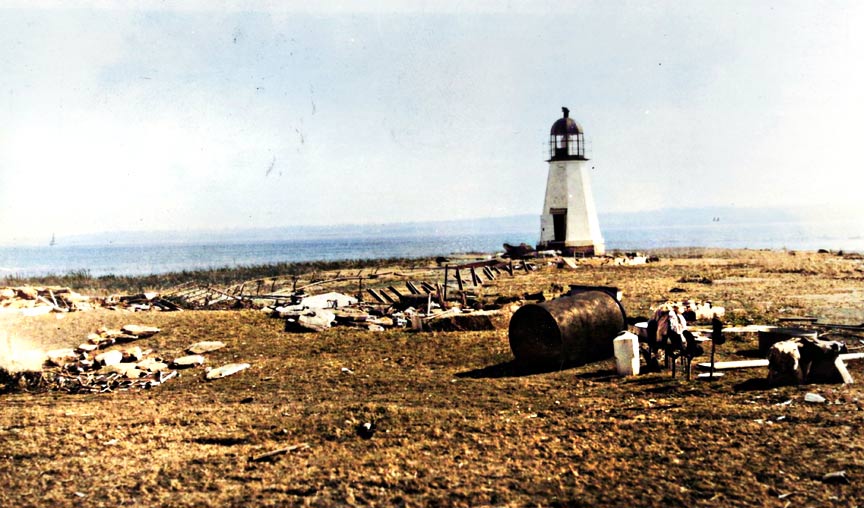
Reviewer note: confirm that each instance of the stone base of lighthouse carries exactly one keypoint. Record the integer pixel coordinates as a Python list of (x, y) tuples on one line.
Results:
[(579, 251)]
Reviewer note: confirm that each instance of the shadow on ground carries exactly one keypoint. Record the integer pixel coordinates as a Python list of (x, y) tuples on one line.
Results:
[(510, 369)]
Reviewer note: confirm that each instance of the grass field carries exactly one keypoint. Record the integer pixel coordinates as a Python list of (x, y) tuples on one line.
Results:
[(454, 424)]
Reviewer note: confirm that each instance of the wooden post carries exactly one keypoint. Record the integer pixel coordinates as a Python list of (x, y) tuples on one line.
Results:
[(475, 279), (444, 297), (459, 279)]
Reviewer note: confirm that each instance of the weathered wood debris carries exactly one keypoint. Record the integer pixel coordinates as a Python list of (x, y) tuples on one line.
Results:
[(33, 301)]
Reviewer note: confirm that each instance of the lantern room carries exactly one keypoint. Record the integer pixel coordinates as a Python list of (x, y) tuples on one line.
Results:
[(566, 139)]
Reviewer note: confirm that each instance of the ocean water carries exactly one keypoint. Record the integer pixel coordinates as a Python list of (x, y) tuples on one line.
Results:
[(162, 258)]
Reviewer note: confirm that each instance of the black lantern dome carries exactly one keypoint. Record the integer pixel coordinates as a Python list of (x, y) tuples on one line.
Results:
[(566, 139)]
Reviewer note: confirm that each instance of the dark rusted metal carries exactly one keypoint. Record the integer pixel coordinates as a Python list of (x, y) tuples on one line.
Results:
[(572, 330)]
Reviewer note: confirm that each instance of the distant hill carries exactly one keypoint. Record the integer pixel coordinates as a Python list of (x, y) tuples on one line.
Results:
[(517, 225)]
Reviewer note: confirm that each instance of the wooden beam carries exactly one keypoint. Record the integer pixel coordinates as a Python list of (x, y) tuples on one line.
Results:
[(475, 279), (488, 273), (741, 364), (412, 288), (375, 295), (840, 365)]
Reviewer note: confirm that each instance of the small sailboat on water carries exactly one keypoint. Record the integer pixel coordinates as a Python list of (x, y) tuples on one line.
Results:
[(53, 241)]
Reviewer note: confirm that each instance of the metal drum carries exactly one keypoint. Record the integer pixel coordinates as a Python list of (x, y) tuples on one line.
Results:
[(571, 330)]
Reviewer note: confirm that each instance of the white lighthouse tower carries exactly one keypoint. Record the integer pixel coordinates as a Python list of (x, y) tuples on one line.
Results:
[(569, 220)]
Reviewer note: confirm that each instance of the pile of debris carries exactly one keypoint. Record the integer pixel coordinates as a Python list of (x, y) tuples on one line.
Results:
[(418, 312), (140, 302), (34, 301), (94, 368)]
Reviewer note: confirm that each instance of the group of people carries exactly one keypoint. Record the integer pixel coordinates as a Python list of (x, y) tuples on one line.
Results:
[(668, 334)]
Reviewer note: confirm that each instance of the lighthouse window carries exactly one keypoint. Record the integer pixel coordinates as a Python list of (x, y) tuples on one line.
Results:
[(560, 142), (573, 145)]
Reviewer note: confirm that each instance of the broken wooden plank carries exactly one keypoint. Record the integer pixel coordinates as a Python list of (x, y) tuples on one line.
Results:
[(375, 295), (412, 288), (475, 279), (395, 291), (733, 365), (490, 275), (275, 453), (802, 319), (429, 288), (840, 365)]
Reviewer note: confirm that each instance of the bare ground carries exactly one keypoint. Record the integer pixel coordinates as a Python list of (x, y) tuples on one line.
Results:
[(455, 424)]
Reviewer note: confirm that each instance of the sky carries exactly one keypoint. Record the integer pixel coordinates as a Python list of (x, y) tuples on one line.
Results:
[(149, 116)]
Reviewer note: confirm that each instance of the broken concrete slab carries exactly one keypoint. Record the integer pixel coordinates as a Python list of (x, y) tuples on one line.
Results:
[(126, 370), (187, 361), (205, 346), (133, 354), (311, 321), (140, 331), (331, 300), (109, 357), (152, 365), (226, 370), (61, 357)]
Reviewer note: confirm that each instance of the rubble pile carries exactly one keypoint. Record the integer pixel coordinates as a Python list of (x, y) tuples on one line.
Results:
[(318, 314), (140, 302), (94, 368), (97, 367), (34, 301)]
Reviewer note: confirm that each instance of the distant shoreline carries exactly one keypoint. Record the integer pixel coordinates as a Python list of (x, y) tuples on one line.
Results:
[(226, 275)]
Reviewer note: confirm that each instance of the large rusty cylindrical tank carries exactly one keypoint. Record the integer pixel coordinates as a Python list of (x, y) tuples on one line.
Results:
[(574, 329)]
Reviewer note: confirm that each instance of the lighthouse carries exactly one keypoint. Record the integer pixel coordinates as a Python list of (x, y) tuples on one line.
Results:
[(569, 219)]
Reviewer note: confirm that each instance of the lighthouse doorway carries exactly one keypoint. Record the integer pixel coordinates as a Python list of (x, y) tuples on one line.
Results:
[(559, 223)]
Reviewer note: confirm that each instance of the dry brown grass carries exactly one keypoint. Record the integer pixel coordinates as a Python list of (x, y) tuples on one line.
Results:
[(455, 425)]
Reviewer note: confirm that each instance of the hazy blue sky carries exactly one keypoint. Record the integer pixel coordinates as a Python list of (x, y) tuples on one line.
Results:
[(169, 115)]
